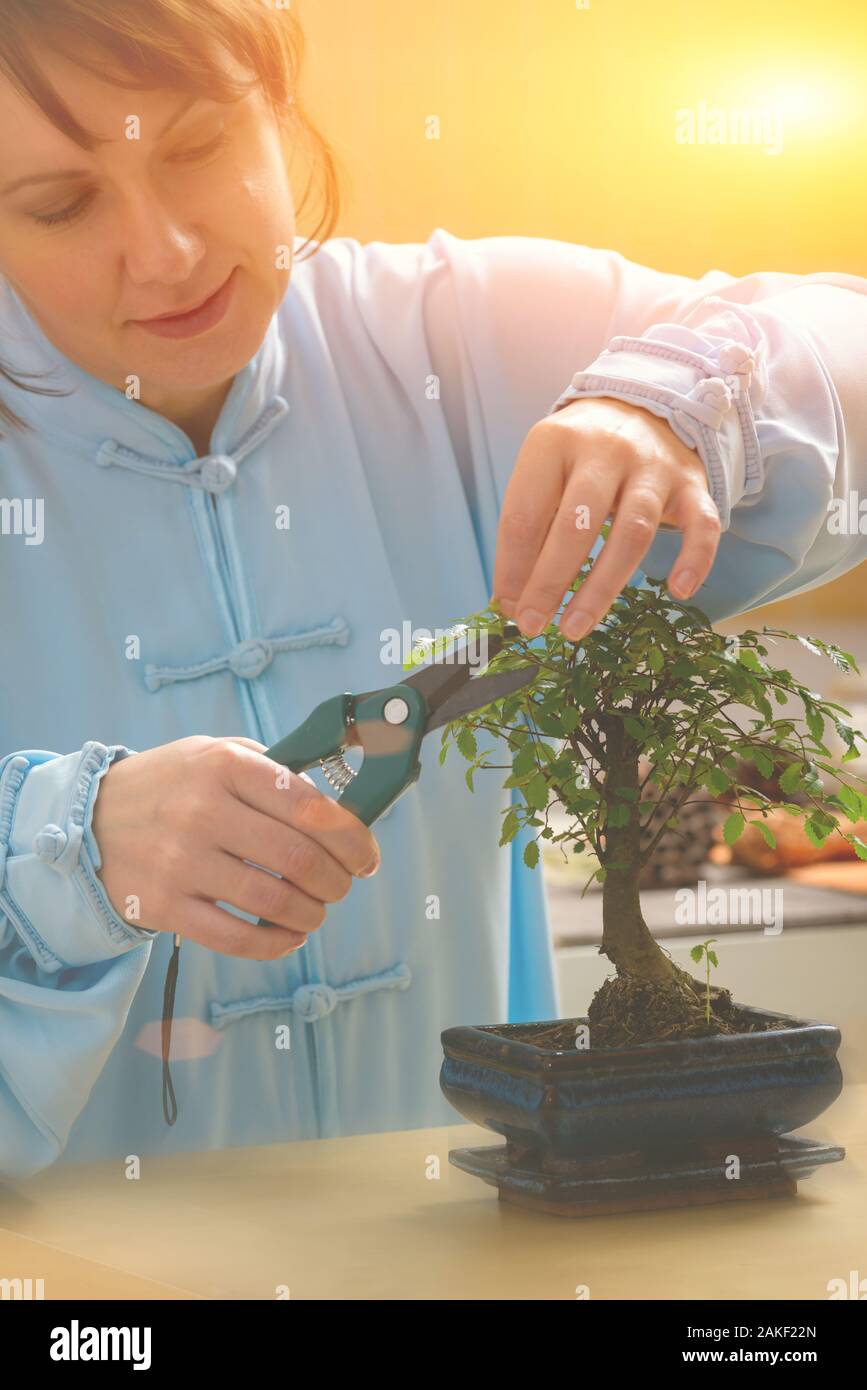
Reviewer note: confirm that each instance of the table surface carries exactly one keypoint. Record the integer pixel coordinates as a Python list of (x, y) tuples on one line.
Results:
[(368, 1218)]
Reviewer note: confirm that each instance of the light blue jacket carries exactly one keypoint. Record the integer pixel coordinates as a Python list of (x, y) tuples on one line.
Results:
[(158, 597)]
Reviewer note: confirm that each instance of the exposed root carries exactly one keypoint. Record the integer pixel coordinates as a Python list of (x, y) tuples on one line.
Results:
[(627, 1010)]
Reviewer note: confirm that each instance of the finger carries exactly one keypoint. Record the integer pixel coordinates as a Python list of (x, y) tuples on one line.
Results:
[(636, 522), (261, 748), (217, 930), (283, 850), (585, 505), (530, 503), (695, 513), (287, 797), (277, 900)]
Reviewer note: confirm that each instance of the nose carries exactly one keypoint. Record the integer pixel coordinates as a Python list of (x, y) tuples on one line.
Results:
[(159, 241)]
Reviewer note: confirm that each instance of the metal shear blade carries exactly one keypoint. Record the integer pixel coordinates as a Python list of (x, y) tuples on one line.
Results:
[(450, 689)]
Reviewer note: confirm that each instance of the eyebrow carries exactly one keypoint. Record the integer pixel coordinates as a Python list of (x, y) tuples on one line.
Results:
[(182, 110)]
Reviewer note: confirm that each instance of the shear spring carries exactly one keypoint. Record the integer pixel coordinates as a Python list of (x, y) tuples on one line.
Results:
[(337, 770)]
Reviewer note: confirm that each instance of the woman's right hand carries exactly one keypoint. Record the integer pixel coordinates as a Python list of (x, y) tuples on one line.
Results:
[(174, 825)]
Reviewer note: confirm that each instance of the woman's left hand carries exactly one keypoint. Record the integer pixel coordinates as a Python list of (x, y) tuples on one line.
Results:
[(592, 459)]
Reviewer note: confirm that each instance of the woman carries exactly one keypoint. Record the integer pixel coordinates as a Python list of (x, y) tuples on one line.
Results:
[(228, 470)]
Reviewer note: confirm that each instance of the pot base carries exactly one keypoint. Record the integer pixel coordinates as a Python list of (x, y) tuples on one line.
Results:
[(601, 1186)]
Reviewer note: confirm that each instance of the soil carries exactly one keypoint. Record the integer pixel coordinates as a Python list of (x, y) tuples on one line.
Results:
[(627, 1010)]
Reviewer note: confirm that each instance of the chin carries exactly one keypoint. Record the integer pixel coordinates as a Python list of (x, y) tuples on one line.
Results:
[(197, 363)]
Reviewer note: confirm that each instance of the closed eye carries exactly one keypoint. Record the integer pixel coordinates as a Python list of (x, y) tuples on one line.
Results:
[(76, 209), (67, 214), (201, 151)]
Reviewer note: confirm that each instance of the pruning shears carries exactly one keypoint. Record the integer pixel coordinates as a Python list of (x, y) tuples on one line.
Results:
[(389, 725)]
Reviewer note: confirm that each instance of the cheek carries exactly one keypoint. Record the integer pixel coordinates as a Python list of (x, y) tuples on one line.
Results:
[(63, 285), (267, 204), (261, 227), (261, 199)]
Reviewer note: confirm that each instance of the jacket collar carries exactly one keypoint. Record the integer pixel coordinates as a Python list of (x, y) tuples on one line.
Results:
[(94, 415)]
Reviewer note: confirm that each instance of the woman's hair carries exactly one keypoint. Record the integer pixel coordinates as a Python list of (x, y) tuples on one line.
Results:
[(174, 44)]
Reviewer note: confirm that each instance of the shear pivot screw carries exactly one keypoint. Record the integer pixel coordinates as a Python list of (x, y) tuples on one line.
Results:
[(395, 711)]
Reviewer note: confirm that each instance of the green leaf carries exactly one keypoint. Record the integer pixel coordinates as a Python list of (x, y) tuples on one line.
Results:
[(511, 825), (762, 704), (466, 741), (759, 758), (525, 760), (852, 801), (432, 649), (858, 845), (791, 778), (811, 781), (697, 952), (815, 723), (763, 763), (536, 792), (548, 722), (655, 660), (733, 827), (716, 781), (711, 955), (766, 832), (570, 718), (582, 687), (531, 854), (747, 657), (816, 830)]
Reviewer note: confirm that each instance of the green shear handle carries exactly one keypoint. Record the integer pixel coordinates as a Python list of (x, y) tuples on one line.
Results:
[(388, 724)]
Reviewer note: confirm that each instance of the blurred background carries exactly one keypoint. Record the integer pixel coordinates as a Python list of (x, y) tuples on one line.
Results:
[(687, 137)]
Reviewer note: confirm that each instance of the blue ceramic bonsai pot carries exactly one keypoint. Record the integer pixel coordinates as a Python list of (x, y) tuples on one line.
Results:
[(668, 1114)]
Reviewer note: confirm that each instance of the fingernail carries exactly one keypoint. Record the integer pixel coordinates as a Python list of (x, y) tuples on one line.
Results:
[(371, 868), (683, 583), (301, 941), (576, 625), (531, 621)]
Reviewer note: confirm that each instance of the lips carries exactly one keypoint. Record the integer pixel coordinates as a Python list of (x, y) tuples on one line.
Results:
[(192, 323), (181, 313)]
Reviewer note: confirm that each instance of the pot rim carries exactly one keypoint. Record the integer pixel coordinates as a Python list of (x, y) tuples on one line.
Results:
[(488, 1043)]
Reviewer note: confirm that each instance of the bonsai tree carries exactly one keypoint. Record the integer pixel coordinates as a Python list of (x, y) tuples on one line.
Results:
[(654, 704)]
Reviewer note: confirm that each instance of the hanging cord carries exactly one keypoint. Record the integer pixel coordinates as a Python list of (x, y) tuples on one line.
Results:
[(170, 1105)]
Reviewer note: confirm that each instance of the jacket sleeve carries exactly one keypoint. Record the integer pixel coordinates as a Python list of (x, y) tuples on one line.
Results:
[(761, 375), (69, 965)]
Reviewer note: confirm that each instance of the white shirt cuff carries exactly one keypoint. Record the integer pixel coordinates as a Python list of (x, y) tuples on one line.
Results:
[(704, 396), (49, 887)]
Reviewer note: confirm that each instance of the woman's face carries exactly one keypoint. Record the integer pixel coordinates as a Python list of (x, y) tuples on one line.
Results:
[(95, 243)]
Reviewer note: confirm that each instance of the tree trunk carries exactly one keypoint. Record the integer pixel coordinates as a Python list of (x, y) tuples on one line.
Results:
[(626, 939)]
